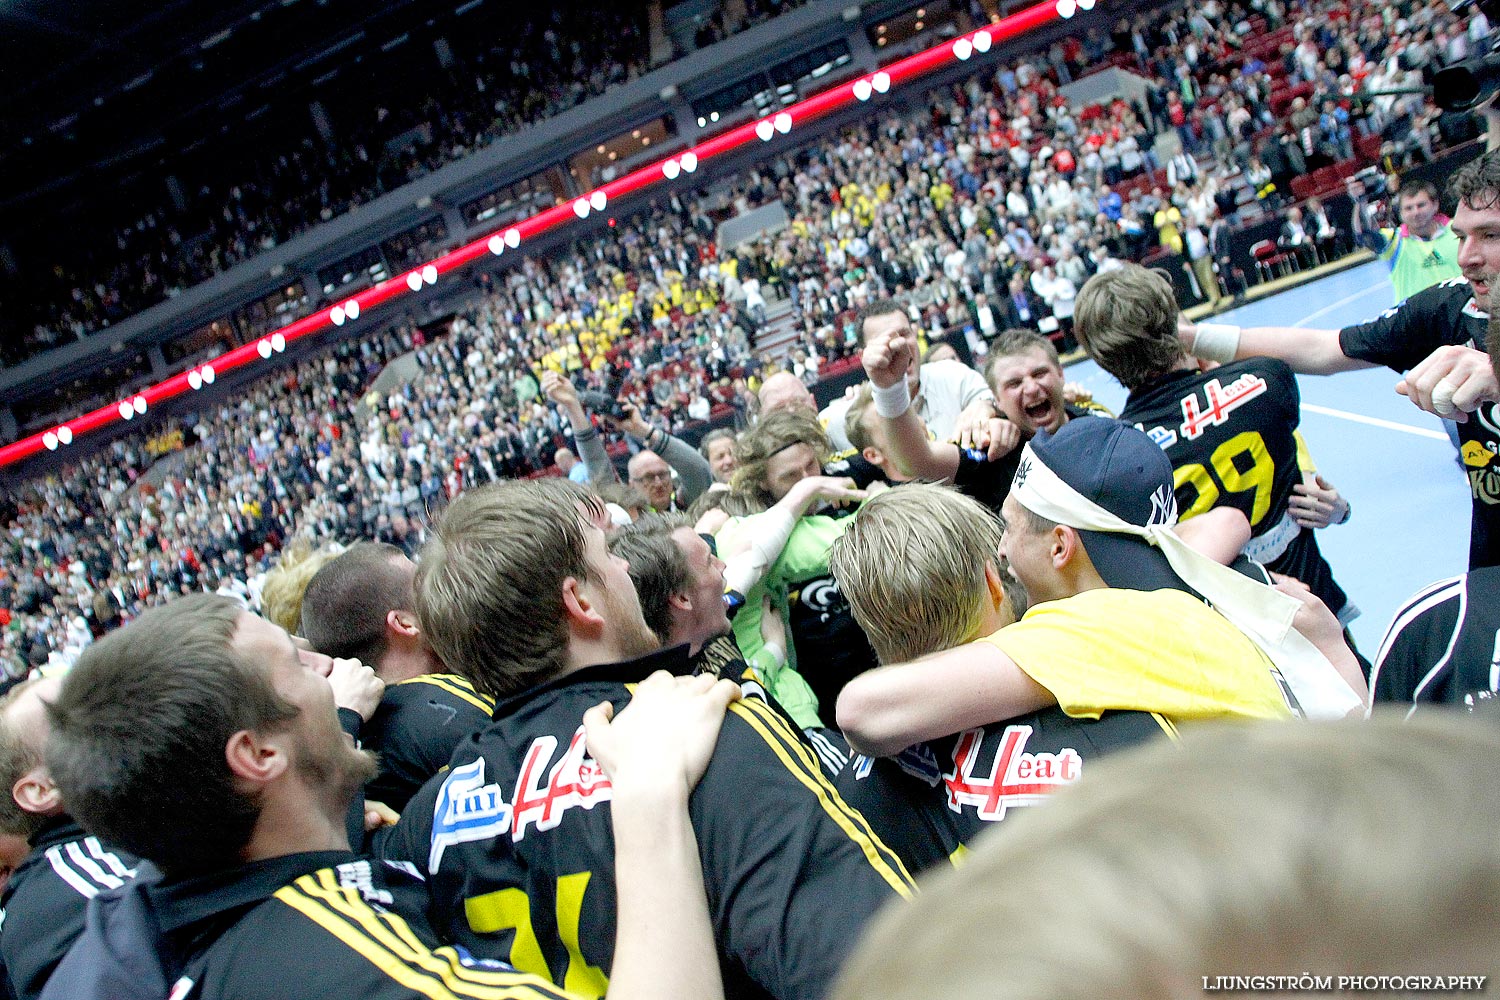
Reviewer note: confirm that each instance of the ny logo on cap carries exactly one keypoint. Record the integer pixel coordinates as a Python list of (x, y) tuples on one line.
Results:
[(1163, 506), (1021, 472)]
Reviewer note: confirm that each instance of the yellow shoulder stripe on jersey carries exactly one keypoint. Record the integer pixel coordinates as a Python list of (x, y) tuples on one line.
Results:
[(372, 935), (391, 937), (443, 961), (799, 760), (1168, 726), (1093, 407), (456, 686)]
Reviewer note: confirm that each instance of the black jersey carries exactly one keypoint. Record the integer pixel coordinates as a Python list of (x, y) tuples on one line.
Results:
[(985, 480), (41, 913), (1401, 338), (316, 924), (1443, 646), (852, 465), (1230, 434), (934, 798), (416, 728), (989, 481), (520, 854), (831, 648)]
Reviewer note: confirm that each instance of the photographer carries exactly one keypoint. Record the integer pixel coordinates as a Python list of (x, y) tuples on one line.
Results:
[(651, 468)]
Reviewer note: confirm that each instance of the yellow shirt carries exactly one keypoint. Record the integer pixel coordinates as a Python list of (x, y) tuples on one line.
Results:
[(1153, 651)]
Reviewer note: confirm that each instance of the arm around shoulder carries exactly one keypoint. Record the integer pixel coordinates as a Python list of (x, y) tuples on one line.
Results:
[(886, 710)]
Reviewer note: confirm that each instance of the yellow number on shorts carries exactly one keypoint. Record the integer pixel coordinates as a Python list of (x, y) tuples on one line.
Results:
[(1260, 477), (509, 909)]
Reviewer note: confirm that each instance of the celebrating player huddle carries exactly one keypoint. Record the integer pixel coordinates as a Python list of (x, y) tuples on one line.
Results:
[(571, 752)]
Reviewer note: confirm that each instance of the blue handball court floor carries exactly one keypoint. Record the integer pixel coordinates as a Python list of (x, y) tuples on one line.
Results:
[(1410, 523)]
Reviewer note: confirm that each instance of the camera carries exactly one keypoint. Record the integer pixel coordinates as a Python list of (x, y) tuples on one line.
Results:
[(606, 402), (603, 404), (1464, 86)]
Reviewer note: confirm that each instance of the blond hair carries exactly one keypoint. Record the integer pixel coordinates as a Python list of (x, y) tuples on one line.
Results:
[(1328, 848), (281, 594), (854, 418), (1127, 321), (912, 566)]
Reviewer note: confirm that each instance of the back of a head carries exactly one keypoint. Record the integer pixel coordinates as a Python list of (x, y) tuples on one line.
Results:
[(911, 564), (624, 495), (1126, 319), (346, 602), (281, 594), (139, 733), (658, 567), (489, 582), (1252, 849)]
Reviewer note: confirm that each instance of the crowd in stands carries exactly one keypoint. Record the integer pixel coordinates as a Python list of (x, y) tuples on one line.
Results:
[(1219, 101), (546, 64), (987, 208)]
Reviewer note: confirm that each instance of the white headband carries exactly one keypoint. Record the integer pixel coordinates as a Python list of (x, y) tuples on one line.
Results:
[(1263, 613)]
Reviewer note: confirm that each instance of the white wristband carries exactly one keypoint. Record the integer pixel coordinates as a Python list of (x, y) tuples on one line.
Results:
[(893, 400), (775, 652), (1216, 342)]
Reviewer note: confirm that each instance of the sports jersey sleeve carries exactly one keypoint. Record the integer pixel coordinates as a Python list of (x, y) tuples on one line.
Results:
[(1305, 463), (1160, 651), (45, 907), (416, 729), (771, 873), (1282, 383), (984, 480), (1401, 337), (806, 552), (1416, 650)]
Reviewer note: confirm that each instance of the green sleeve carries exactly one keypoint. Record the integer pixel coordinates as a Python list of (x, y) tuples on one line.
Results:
[(806, 553)]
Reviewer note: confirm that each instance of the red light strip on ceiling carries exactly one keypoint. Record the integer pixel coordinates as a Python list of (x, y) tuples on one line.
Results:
[(662, 172)]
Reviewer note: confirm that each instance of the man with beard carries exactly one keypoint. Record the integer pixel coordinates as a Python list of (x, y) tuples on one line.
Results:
[(198, 737), (45, 902), (1435, 338), (518, 591)]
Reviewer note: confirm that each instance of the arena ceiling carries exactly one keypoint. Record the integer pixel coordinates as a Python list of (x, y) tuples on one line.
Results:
[(96, 90)]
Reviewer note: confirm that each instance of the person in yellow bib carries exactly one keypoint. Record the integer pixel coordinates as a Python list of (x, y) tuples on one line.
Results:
[(1423, 250)]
